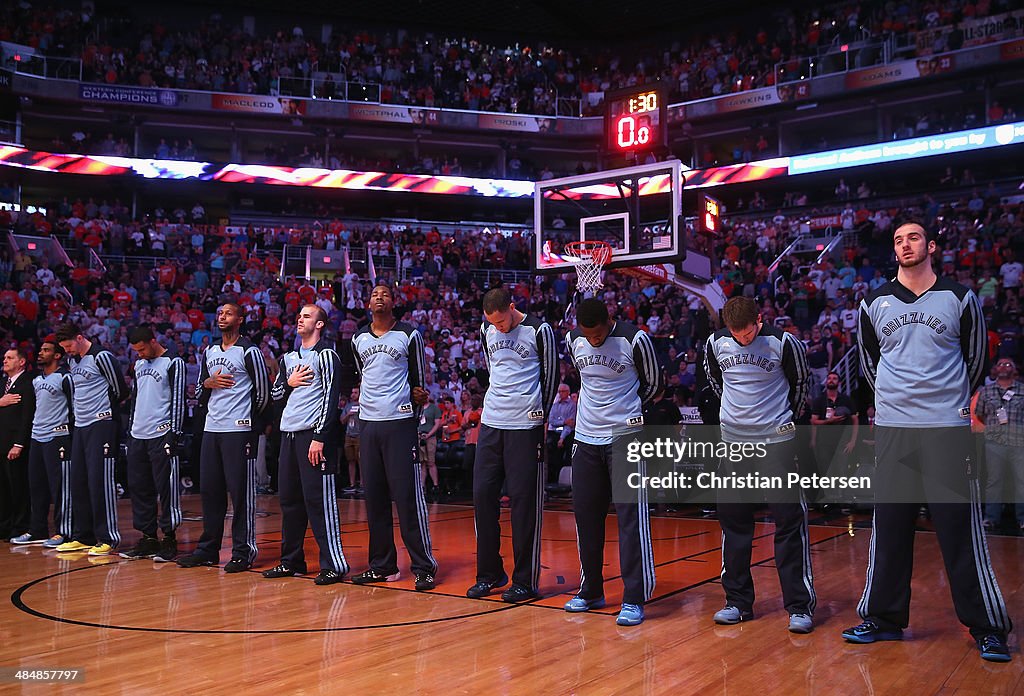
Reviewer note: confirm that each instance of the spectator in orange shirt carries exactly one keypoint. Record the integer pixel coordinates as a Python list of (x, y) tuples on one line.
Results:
[(451, 421)]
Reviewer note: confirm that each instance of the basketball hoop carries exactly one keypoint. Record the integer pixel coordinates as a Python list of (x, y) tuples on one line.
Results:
[(590, 258)]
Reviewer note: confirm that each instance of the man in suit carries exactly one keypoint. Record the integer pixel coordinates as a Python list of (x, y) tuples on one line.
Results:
[(17, 405)]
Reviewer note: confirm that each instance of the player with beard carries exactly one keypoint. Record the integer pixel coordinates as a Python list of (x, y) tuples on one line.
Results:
[(922, 344), (235, 387)]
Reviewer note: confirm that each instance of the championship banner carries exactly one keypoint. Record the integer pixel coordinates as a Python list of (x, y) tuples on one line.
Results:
[(384, 113), (513, 122), (259, 104), (136, 96)]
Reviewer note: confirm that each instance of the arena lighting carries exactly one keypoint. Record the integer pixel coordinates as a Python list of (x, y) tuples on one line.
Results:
[(912, 148), (879, 153)]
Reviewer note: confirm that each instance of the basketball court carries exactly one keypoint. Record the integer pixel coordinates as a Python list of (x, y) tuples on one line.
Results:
[(143, 627)]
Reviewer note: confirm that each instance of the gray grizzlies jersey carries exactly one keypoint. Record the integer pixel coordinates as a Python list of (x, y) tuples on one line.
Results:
[(923, 356), (390, 365), (236, 409), (314, 406), (53, 405), (99, 386), (762, 386), (617, 378), (524, 374), (159, 397)]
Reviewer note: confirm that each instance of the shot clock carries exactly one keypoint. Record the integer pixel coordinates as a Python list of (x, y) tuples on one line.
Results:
[(635, 120), (710, 219)]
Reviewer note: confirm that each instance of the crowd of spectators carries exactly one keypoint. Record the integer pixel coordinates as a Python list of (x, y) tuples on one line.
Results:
[(429, 70), (199, 264), (183, 269)]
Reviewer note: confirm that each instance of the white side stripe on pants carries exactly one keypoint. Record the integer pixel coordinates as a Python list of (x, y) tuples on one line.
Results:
[(332, 525)]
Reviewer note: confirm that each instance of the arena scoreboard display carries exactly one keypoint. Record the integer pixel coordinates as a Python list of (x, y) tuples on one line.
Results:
[(635, 120)]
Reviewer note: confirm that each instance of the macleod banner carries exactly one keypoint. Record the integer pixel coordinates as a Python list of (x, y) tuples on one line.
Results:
[(259, 104)]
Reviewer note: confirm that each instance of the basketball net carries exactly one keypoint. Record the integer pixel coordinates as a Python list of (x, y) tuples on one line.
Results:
[(589, 259)]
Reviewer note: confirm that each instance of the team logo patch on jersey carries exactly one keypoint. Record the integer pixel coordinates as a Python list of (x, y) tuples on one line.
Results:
[(635, 420), (786, 428), (104, 414), (536, 415), (965, 413), (244, 422), (162, 427), (405, 408), (61, 429)]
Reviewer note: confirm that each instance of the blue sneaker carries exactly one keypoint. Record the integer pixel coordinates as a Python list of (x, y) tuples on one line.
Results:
[(630, 615), (993, 648), (800, 623), (870, 632), (578, 604), (730, 615), (53, 542)]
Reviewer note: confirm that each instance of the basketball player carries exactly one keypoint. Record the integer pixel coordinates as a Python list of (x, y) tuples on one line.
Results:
[(389, 357), (98, 389), (156, 439), (235, 386), (309, 384), (760, 374), (922, 344), (49, 463), (523, 363), (619, 374)]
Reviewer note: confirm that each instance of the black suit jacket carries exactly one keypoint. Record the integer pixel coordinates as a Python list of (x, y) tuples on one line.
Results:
[(16, 419)]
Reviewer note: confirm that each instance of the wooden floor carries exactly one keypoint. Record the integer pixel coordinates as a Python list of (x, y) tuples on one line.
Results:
[(138, 627)]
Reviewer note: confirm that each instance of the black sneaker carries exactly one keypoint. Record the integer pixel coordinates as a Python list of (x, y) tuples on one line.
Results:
[(425, 581), (372, 575), (147, 547), (168, 550), (328, 577), (993, 648), (236, 565), (281, 571), (518, 593), (194, 561), (484, 588), (870, 632)]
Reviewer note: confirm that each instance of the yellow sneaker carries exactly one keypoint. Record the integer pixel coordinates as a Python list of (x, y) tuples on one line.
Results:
[(73, 546), (100, 550)]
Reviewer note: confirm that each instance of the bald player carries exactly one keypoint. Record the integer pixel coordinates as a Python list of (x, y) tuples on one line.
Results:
[(235, 386), (390, 359)]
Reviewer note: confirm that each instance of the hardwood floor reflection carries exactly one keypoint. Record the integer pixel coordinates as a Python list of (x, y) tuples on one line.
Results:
[(142, 627)]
